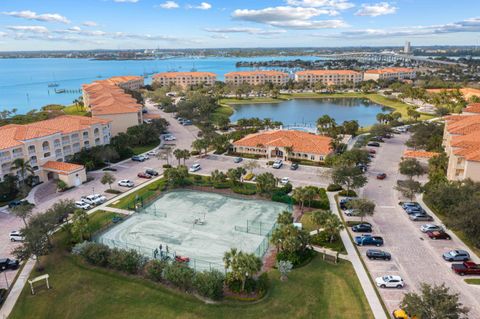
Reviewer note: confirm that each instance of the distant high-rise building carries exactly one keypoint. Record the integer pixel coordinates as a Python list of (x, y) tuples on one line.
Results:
[(406, 48)]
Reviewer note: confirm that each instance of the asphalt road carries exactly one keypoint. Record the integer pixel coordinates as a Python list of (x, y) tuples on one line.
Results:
[(415, 257)]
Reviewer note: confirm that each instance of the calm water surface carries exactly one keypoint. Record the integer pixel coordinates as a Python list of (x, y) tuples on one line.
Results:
[(307, 111), (24, 82)]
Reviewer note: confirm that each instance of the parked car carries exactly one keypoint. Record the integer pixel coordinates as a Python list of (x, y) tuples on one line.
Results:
[(126, 183), (430, 227), (362, 167), (187, 122), (377, 139), (86, 200), (237, 159), (372, 151), (94, 199), (195, 167), (15, 203), (182, 259), (151, 172), (466, 268), (169, 137), (16, 236), (406, 205), (369, 240), (390, 282), (456, 255), (7, 263), (362, 228), (152, 153), (110, 169), (144, 175), (378, 254), (381, 176), (82, 205), (138, 158), (351, 212), (414, 210), (277, 164), (438, 235), (343, 202), (402, 314), (145, 156), (373, 144), (294, 166), (284, 180), (416, 217)]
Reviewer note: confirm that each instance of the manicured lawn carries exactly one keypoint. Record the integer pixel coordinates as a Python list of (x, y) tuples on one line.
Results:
[(145, 193), (318, 290), (74, 110), (473, 281), (223, 111), (251, 100), (144, 148)]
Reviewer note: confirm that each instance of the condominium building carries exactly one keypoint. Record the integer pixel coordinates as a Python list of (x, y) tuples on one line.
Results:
[(461, 140), (106, 99), (48, 144), (329, 77), (184, 79), (256, 77), (285, 144), (390, 74)]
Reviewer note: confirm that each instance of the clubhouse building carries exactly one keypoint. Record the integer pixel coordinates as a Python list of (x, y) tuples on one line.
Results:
[(285, 144)]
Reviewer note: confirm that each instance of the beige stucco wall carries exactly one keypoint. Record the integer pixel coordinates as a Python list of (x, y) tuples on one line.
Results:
[(74, 179), (121, 122), (267, 152)]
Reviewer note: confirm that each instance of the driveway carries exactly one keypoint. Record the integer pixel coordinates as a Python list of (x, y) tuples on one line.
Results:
[(414, 256)]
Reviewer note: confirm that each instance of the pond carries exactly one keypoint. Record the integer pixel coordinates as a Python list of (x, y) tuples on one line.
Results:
[(307, 111)]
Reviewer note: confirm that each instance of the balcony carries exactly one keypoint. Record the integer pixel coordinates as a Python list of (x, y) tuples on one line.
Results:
[(18, 155), (5, 159), (66, 142)]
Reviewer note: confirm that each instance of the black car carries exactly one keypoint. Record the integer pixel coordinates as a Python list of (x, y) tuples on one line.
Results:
[(294, 166), (362, 228), (111, 169), (7, 263), (378, 254), (377, 139), (15, 203), (151, 172), (343, 202), (373, 144)]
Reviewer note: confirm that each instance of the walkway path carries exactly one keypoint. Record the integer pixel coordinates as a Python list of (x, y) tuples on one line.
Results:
[(118, 210), (369, 290), (16, 290)]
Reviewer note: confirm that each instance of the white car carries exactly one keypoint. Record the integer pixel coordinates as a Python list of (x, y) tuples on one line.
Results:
[(390, 282), (82, 205), (430, 227), (145, 156), (126, 183), (284, 180), (277, 164), (87, 200), (94, 199), (195, 167), (152, 153), (16, 236), (169, 138)]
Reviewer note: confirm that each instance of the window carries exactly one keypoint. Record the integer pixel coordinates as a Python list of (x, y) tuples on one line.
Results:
[(31, 149), (46, 146), (47, 154)]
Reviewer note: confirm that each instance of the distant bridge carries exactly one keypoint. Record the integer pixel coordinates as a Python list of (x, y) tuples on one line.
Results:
[(384, 57)]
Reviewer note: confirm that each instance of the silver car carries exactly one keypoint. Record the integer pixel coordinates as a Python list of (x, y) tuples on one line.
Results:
[(430, 227), (456, 255)]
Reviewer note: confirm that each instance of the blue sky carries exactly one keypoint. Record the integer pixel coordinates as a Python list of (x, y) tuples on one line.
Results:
[(128, 24)]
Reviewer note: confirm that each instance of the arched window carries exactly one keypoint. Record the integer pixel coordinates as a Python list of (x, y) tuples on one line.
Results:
[(46, 145)]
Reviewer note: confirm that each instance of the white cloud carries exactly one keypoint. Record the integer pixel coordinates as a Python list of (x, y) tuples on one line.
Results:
[(377, 9), (80, 31), (290, 17), (3, 34), (334, 4), (214, 36), (28, 28), (169, 5), (468, 25), (245, 30), (31, 15), (201, 6), (90, 24)]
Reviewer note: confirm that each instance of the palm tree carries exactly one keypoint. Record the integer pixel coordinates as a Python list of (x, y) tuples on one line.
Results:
[(289, 151), (311, 192), (332, 226), (319, 218), (23, 167), (23, 211), (299, 196), (185, 155), (178, 155), (285, 218)]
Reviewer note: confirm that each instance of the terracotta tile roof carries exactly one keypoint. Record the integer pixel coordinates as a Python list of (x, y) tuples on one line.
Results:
[(183, 74), (300, 141), (257, 72), (15, 135), (62, 167), (327, 72), (466, 136), (419, 154), (116, 80), (472, 108), (390, 70)]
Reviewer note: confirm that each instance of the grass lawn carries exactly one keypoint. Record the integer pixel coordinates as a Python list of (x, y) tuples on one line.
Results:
[(146, 192), (74, 110), (309, 226), (144, 148), (223, 111), (473, 281), (318, 290)]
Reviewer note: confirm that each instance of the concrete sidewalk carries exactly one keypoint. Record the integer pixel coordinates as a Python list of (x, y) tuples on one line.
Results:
[(368, 288)]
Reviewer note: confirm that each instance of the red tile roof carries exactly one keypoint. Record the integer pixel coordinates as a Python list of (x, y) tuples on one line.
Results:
[(183, 74), (257, 72), (472, 108), (419, 154), (390, 70), (62, 167), (327, 72), (465, 140), (300, 141)]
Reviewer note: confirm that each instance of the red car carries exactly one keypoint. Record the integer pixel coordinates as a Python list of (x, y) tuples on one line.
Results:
[(372, 151), (182, 259), (467, 268), (438, 235), (144, 175), (381, 176)]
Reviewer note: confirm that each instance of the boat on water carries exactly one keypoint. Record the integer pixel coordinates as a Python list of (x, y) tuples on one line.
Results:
[(53, 85), (58, 91)]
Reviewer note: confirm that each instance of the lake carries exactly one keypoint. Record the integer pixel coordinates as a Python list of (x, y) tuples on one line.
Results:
[(307, 111), (24, 82)]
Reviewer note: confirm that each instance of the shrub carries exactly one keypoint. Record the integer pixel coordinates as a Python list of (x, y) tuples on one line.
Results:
[(282, 198), (263, 283), (287, 188), (320, 239), (179, 274), (297, 258), (197, 178), (167, 166), (94, 253), (244, 190), (270, 163), (129, 261), (334, 188), (113, 191), (154, 269), (209, 284), (235, 285), (61, 185), (194, 153), (350, 193)]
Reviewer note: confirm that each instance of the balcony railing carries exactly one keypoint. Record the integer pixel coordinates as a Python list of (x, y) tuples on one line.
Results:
[(5, 159)]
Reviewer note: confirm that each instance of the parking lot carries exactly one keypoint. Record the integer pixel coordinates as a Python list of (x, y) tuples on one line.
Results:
[(415, 257)]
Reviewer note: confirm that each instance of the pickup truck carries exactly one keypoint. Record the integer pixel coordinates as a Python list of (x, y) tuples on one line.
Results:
[(466, 268), (365, 240)]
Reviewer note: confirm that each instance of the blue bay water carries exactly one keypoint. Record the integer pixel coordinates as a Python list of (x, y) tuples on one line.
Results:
[(24, 82)]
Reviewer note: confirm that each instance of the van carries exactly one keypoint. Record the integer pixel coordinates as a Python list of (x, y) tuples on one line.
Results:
[(194, 168)]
